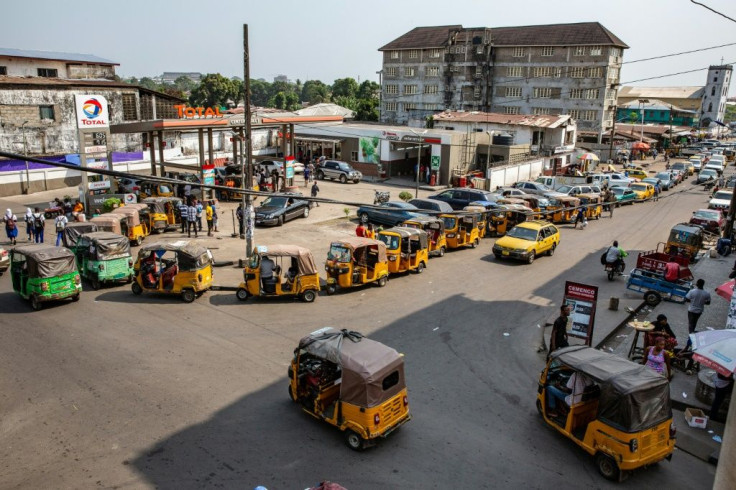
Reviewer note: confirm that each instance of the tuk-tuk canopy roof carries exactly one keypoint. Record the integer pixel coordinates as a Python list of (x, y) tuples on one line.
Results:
[(303, 255), (183, 247), (427, 222), (109, 222), (137, 205), (109, 245), (364, 362), (158, 204), (686, 228), (405, 231), (590, 197), (47, 260), (475, 209), (486, 204), (74, 230), (512, 200), (568, 200), (354, 243), (130, 213)]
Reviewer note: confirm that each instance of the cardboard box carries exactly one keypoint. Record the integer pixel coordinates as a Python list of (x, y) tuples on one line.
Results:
[(696, 418)]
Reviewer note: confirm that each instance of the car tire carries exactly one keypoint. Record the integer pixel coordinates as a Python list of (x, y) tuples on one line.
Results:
[(532, 256), (305, 215), (364, 218), (343, 179), (498, 256), (320, 175), (136, 288), (241, 294), (354, 441), (551, 251), (281, 221)]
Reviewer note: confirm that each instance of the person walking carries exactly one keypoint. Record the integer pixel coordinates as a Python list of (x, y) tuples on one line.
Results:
[(192, 220), (60, 223), (611, 203), (208, 217), (580, 218), (38, 225), (199, 208), (312, 175), (307, 176), (213, 205), (723, 384), (29, 224), (183, 215), (11, 226), (656, 192), (314, 192), (558, 338), (697, 298), (239, 214)]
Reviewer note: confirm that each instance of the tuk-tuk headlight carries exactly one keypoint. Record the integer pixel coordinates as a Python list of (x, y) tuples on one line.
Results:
[(101, 267), (199, 277), (377, 419), (130, 262), (392, 258), (450, 235), (633, 445), (77, 280), (44, 286), (406, 401)]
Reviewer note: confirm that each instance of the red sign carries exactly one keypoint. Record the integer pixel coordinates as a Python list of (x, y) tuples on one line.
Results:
[(582, 299), (190, 112)]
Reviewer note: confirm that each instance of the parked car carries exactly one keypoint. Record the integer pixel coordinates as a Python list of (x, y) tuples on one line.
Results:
[(502, 192), (666, 179), (528, 240), (532, 187), (337, 170), (461, 197), (721, 200), (270, 166), (623, 195), (431, 205), (696, 162), (681, 167), (638, 174), (127, 185), (618, 179), (653, 181), (643, 190), (707, 174), (574, 190), (4, 260), (390, 213), (276, 210), (711, 220)]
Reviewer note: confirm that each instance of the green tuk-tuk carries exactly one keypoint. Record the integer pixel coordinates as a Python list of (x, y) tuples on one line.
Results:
[(74, 230), (42, 273), (104, 257)]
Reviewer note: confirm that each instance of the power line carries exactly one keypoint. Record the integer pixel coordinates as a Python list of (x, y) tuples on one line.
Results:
[(678, 54), (713, 10)]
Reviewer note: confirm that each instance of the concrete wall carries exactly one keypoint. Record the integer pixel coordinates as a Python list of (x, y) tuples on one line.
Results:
[(509, 174), (28, 67)]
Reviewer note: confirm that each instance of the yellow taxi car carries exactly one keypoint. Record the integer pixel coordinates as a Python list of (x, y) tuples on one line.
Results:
[(642, 190), (638, 174), (528, 240)]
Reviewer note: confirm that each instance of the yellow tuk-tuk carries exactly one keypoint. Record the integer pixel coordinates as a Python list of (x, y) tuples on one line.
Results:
[(435, 229), (154, 189), (116, 223), (685, 240), (164, 211), (565, 209), (407, 249), (262, 275), (593, 205), (461, 230), (482, 215), (356, 261), (144, 215), (181, 268), (506, 216), (730, 155), (136, 232), (616, 410), (351, 382)]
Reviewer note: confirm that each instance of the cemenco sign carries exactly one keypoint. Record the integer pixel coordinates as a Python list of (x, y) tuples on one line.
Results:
[(91, 111)]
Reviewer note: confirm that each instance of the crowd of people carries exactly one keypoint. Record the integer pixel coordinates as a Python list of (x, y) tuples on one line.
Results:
[(35, 221)]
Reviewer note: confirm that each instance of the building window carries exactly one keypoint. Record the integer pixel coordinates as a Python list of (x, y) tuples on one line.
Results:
[(410, 106), (577, 93), (592, 93), (394, 55), (578, 51), (576, 72), (413, 53), (433, 107), (48, 72), (392, 89), (433, 71), (476, 92), (575, 114), (547, 72), (454, 68), (511, 109), (478, 71), (710, 107), (513, 92), (410, 71), (713, 91), (390, 106), (354, 156), (715, 79), (46, 112), (130, 108), (596, 50), (594, 72), (410, 90), (389, 71), (431, 89), (548, 51), (589, 115), (615, 51), (519, 52), (479, 49), (515, 71), (3, 70), (538, 111), (435, 53), (611, 94), (542, 92)]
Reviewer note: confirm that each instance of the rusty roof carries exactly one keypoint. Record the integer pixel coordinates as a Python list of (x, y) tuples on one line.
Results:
[(539, 121), (423, 37), (56, 56), (577, 34), (25, 82)]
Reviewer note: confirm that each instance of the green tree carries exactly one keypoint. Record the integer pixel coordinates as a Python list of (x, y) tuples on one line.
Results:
[(347, 102), (368, 90), (345, 87), (315, 92), (214, 90), (287, 101), (260, 92), (148, 83), (184, 84), (367, 110)]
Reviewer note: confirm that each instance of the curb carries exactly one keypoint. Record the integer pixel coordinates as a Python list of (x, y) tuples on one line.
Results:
[(621, 325)]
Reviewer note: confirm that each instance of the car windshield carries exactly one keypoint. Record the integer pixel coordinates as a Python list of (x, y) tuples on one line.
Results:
[(707, 172), (703, 214), (679, 166), (338, 253), (449, 222), (523, 233), (618, 190), (663, 176), (276, 202), (723, 195), (391, 241), (346, 167), (564, 189)]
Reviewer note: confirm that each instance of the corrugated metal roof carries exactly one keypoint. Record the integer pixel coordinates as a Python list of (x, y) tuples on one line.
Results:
[(326, 110), (423, 37), (662, 92), (654, 104), (9, 82), (55, 55), (539, 121)]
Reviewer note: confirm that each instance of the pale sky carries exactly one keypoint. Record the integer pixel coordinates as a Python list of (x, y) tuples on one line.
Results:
[(329, 39)]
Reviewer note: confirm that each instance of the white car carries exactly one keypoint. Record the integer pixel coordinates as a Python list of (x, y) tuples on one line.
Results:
[(298, 167), (696, 162), (718, 167), (721, 200)]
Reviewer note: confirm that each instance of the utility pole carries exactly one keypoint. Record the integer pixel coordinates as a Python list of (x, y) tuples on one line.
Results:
[(613, 132), (248, 214)]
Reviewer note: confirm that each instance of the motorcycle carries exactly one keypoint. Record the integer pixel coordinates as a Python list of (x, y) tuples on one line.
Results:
[(381, 197), (614, 270)]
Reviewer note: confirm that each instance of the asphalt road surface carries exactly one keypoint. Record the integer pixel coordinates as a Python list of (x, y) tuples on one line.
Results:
[(123, 391)]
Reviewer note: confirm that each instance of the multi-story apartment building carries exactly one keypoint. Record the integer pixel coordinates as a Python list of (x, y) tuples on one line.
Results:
[(551, 69)]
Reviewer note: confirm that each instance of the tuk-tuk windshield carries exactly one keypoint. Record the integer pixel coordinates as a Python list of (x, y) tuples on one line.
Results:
[(522, 233), (449, 222), (164, 189), (684, 237), (338, 253), (391, 241)]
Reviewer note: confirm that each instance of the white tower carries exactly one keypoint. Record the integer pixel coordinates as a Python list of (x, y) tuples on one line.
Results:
[(715, 94)]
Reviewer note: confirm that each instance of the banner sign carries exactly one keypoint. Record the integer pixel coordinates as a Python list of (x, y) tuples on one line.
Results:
[(289, 167), (208, 171), (582, 299)]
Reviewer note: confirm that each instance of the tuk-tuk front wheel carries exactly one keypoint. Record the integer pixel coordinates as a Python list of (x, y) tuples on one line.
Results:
[(331, 289), (95, 282), (188, 295), (241, 294), (442, 251), (308, 296), (607, 467), (75, 298), (138, 241), (420, 267), (35, 303), (354, 441), (475, 243), (382, 281), (136, 288)]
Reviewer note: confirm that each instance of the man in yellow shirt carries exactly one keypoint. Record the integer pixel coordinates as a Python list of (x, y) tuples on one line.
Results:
[(208, 215)]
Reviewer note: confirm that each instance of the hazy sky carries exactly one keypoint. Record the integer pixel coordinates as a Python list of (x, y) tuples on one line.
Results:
[(329, 39)]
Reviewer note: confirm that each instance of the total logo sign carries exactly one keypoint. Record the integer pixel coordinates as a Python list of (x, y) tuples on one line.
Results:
[(91, 111)]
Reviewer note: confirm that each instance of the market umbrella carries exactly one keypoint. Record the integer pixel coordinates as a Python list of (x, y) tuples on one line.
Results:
[(589, 156), (715, 349), (725, 290), (639, 145)]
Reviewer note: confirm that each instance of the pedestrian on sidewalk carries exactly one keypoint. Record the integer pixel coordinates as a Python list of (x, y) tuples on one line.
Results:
[(306, 176), (183, 215), (213, 205), (697, 298), (656, 192), (314, 192), (192, 220), (658, 359), (199, 209), (60, 224), (611, 203), (240, 215), (39, 222), (208, 217), (558, 338), (11, 225), (29, 224)]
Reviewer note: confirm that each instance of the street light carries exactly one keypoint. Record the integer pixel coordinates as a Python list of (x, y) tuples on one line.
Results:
[(641, 108), (419, 159), (25, 153)]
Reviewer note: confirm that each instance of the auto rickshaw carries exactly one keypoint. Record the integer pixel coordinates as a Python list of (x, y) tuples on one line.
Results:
[(44, 273), (461, 230), (593, 205), (435, 229), (155, 189), (75, 229), (103, 257), (564, 209), (164, 211), (301, 278), (616, 410), (483, 216), (356, 261), (351, 382), (506, 216), (135, 230), (115, 223), (182, 268), (407, 249), (685, 240), (144, 215), (537, 204)]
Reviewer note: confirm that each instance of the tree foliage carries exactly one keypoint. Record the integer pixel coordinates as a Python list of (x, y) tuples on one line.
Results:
[(345, 87), (214, 90), (315, 92)]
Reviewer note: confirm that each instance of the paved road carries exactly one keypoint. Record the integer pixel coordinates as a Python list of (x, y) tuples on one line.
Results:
[(146, 392)]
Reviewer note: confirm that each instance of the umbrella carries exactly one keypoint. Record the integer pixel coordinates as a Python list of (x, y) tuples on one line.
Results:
[(639, 145), (725, 290), (589, 156), (715, 349)]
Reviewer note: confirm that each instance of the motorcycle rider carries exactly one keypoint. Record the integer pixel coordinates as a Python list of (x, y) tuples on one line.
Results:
[(615, 257)]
